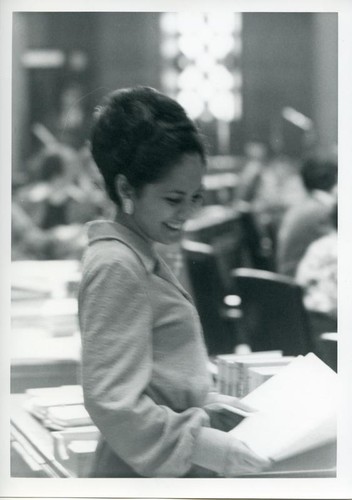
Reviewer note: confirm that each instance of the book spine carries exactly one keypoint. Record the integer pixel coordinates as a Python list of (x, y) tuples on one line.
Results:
[(220, 377), (240, 379)]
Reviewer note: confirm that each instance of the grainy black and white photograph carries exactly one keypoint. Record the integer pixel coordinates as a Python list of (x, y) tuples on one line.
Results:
[(175, 197)]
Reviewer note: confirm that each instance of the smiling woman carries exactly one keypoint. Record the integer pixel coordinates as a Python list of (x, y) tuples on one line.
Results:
[(161, 208), (144, 364)]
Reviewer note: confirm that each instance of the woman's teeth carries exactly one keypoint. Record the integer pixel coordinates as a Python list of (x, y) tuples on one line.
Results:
[(174, 226)]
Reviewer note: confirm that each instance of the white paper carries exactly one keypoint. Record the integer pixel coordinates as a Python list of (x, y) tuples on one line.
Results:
[(296, 410)]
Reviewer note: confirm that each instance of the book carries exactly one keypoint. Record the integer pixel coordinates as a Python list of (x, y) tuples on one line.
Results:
[(40, 400), (68, 416), (226, 377), (296, 410)]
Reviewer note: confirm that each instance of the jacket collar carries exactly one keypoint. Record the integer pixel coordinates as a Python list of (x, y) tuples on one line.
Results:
[(109, 230), (323, 197)]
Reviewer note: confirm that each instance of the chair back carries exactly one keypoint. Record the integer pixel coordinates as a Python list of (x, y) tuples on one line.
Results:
[(273, 314), (209, 290), (257, 243)]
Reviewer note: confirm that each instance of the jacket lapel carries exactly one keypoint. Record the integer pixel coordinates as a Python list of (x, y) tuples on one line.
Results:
[(164, 272)]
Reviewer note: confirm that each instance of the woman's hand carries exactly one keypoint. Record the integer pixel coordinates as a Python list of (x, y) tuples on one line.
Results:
[(242, 460), (225, 412), (215, 397)]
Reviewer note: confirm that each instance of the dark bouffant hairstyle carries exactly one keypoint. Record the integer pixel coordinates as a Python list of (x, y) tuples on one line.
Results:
[(319, 173), (141, 133)]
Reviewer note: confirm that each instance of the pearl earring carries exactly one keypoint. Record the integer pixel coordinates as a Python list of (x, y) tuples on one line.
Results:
[(128, 207)]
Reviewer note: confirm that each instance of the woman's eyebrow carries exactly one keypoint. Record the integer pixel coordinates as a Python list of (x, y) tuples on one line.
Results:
[(175, 191), (183, 193)]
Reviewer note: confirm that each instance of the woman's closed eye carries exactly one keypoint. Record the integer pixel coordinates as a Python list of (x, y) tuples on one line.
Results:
[(198, 199), (173, 201)]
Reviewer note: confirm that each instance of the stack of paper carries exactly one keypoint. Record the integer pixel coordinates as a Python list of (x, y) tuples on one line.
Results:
[(68, 416), (296, 410), (40, 400), (58, 407)]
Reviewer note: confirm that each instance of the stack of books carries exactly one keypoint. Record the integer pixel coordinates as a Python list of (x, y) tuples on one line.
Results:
[(234, 376)]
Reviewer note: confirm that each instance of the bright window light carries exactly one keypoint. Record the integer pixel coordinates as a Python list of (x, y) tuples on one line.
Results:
[(221, 78), (222, 106), (190, 78), (221, 22), (201, 52), (168, 23), (189, 23), (220, 46), (191, 46), (169, 79), (205, 62), (192, 102), (169, 48)]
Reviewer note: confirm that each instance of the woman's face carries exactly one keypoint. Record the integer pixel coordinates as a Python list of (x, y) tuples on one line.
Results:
[(162, 208)]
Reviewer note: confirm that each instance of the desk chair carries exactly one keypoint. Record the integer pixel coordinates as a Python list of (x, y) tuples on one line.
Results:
[(255, 241), (209, 290), (273, 314)]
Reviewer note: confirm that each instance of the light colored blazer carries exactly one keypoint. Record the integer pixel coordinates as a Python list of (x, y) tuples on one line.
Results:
[(144, 362)]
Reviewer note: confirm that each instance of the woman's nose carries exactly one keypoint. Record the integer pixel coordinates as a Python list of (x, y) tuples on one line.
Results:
[(186, 210)]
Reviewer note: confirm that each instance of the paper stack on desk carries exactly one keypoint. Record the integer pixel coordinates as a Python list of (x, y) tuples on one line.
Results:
[(296, 410), (65, 416)]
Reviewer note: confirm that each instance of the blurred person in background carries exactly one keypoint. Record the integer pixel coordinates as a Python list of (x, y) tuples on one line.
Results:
[(317, 274), (269, 187), (144, 363), (55, 199), (309, 220), (28, 241), (56, 205)]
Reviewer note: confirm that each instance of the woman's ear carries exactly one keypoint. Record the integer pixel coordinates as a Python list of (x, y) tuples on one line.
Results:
[(123, 188)]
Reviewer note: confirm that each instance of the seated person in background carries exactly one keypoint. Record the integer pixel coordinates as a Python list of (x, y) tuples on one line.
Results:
[(56, 200), (311, 219), (317, 274), (28, 240), (57, 206), (270, 187)]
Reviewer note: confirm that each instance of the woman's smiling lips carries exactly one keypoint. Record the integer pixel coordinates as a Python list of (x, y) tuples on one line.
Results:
[(175, 226)]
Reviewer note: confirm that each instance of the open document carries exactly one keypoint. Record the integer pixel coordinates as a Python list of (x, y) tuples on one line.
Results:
[(296, 410)]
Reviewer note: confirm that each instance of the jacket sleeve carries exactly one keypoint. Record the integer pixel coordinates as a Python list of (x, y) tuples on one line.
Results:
[(116, 328)]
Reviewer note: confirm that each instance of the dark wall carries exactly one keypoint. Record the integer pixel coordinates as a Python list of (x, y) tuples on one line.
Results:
[(126, 51), (277, 72)]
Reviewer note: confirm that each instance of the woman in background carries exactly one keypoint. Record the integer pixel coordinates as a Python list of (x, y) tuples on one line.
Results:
[(145, 378)]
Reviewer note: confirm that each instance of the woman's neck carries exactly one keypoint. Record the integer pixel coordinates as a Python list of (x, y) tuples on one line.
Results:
[(129, 222)]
